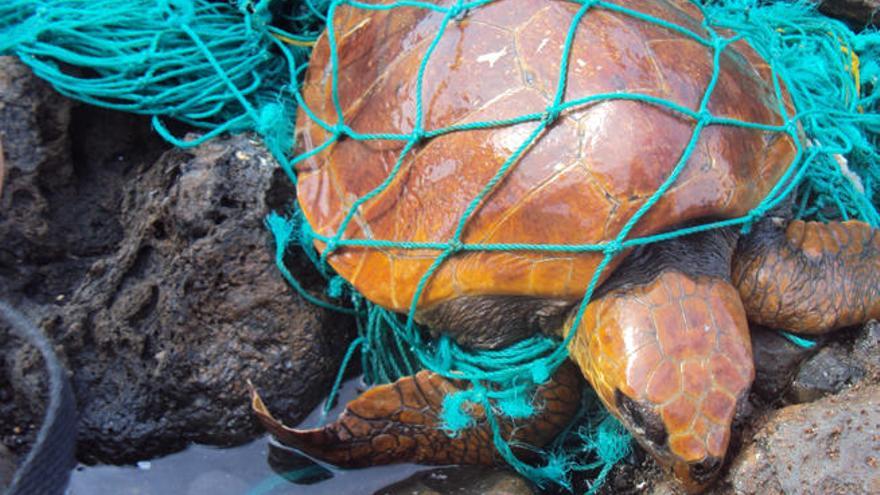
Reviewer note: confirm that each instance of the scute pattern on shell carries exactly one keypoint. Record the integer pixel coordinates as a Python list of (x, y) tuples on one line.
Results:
[(577, 184)]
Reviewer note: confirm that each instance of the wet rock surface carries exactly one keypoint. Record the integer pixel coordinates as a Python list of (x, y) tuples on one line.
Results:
[(34, 120), (852, 357), (857, 12), (152, 272), (191, 307), (472, 480), (7, 467), (37, 262), (786, 373), (776, 362), (635, 475), (826, 373), (866, 350), (828, 446), (830, 442)]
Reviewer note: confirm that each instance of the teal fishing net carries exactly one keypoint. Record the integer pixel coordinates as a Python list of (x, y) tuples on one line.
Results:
[(230, 66)]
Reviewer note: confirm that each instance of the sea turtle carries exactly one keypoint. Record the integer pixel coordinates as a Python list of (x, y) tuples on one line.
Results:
[(665, 341)]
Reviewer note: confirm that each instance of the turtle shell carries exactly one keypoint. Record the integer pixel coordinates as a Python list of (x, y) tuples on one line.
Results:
[(578, 183)]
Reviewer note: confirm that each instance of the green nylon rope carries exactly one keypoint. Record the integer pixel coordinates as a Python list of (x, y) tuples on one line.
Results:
[(234, 66)]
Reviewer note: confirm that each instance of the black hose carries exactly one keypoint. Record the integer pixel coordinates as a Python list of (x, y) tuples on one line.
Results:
[(46, 468)]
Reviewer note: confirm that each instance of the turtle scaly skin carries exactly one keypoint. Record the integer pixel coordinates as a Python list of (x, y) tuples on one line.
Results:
[(401, 421), (810, 277), (665, 340)]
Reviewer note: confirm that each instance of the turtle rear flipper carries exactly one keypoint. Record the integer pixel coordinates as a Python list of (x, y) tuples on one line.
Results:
[(400, 422), (809, 277)]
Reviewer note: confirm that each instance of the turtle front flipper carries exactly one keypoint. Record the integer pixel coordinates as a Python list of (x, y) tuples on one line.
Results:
[(809, 277), (400, 422)]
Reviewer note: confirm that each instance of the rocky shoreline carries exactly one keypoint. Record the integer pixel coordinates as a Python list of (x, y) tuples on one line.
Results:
[(152, 271)]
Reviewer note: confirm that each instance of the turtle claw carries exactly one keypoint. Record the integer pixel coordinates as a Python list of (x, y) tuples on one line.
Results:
[(400, 422), (321, 443)]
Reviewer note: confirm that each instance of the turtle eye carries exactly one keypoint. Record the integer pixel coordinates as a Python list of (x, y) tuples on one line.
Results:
[(642, 419)]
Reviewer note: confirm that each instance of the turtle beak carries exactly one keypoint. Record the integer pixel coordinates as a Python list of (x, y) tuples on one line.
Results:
[(697, 476), (670, 359)]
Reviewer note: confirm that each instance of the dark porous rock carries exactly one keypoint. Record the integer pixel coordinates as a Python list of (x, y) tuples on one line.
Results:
[(831, 370), (153, 276), (776, 362), (636, 474), (469, 480), (857, 12), (33, 120), (65, 167), (866, 350), (64, 170), (830, 446), (165, 334), (7, 467)]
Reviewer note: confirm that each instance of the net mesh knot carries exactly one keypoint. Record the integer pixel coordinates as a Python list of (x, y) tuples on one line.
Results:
[(417, 136), (705, 117), (339, 130), (457, 11), (551, 114), (614, 247)]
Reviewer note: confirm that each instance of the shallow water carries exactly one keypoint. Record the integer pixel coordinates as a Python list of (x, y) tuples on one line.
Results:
[(257, 468)]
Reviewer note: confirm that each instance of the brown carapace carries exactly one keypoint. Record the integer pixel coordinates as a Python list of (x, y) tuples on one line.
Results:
[(665, 341)]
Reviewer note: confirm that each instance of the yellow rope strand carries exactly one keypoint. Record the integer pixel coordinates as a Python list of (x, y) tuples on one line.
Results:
[(291, 41)]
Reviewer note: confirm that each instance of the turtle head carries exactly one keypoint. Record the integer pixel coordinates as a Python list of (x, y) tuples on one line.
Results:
[(672, 360)]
